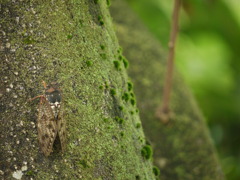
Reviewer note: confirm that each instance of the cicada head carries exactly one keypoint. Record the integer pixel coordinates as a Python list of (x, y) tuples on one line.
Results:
[(53, 95)]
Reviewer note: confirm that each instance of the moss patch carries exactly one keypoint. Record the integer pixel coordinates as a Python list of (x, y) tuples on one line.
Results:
[(89, 63), (146, 152), (156, 171), (125, 97), (113, 92), (117, 65)]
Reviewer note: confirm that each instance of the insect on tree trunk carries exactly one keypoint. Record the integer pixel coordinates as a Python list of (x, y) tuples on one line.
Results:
[(51, 125), (72, 43)]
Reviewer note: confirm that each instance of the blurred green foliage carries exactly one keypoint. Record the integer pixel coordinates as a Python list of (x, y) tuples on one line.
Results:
[(207, 55)]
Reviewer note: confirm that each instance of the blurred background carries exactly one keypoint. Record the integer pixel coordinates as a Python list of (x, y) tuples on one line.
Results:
[(207, 55)]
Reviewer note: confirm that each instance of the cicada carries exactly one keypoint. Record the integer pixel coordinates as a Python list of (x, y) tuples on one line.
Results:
[(50, 123)]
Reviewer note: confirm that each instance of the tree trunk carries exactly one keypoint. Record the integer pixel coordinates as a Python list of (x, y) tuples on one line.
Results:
[(73, 43), (182, 148)]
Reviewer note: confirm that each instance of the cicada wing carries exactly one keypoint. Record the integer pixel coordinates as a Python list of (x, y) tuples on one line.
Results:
[(47, 127), (61, 126)]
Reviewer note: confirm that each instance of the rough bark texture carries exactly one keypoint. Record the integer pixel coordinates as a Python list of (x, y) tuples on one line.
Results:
[(73, 43), (182, 148)]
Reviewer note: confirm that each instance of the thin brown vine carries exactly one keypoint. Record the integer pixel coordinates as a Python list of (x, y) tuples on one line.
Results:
[(163, 112)]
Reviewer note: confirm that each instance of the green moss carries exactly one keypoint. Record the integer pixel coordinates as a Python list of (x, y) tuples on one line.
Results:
[(113, 92), (141, 139), (138, 125), (119, 120), (102, 47), (133, 101), (81, 22), (131, 112), (28, 40), (125, 62), (120, 57), (122, 134), (108, 3), (29, 173), (125, 97), (137, 177), (119, 50), (103, 55), (146, 152), (101, 22), (120, 108), (89, 63), (100, 19), (71, 145), (69, 36), (101, 87), (156, 171), (84, 163), (96, 1), (130, 86), (105, 119), (117, 65)]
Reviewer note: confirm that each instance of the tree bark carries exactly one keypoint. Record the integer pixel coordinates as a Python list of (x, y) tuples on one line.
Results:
[(73, 43), (182, 148)]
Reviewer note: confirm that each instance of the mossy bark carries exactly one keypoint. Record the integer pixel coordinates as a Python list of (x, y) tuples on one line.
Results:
[(73, 43), (182, 148)]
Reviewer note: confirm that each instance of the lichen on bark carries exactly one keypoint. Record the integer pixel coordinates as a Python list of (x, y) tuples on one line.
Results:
[(73, 43)]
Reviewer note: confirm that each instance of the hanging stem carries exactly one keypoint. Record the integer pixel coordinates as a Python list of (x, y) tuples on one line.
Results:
[(164, 111)]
